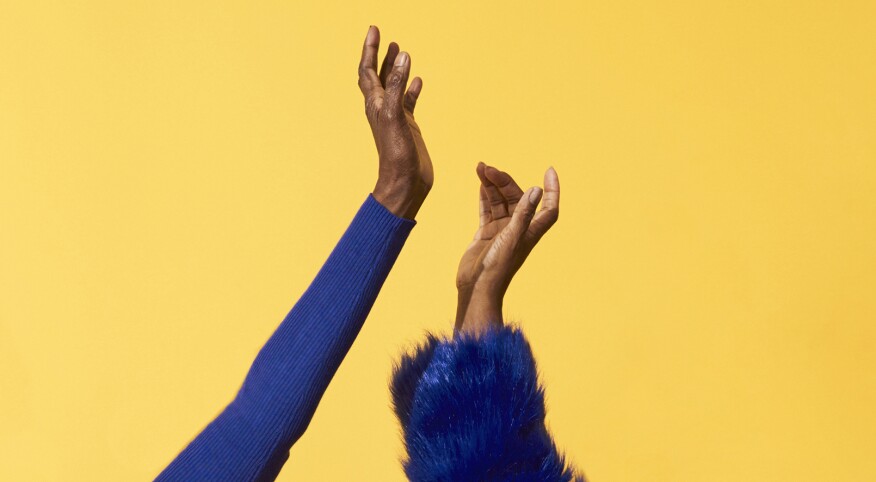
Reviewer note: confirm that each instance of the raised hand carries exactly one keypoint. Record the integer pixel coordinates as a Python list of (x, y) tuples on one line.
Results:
[(405, 175), (509, 229)]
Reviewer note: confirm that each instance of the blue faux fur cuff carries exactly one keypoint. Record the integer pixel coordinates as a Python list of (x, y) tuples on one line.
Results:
[(472, 409)]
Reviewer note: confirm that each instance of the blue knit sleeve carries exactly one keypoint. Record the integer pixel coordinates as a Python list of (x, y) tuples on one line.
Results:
[(472, 408), (251, 437)]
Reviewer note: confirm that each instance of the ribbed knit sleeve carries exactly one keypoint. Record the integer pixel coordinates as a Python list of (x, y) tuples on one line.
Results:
[(251, 438), (472, 408)]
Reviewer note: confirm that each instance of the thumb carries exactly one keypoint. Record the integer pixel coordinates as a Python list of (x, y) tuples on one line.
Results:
[(505, 245)]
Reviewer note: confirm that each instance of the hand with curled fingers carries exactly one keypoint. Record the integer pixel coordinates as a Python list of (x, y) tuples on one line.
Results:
[(510, 227), (405, 174)]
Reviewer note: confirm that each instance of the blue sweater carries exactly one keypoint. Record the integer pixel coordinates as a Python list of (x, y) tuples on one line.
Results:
[(251, 438)]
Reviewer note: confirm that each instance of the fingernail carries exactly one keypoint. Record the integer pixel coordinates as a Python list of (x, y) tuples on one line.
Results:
[(534, 195), (401, 59)]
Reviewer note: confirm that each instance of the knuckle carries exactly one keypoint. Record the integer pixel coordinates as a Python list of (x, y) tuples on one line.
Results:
[(395, 78), (391, 115), (371, 107)]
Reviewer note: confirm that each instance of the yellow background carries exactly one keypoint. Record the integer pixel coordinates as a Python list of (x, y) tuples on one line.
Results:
[(172, 175)]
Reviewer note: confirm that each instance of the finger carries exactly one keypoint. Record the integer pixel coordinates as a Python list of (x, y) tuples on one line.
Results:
[(396, 82), (498, 204), (368, 78), (391, 53), (506, 185), (505, 245), (524, 213), (413, 94), (484, 205), (550, 208)]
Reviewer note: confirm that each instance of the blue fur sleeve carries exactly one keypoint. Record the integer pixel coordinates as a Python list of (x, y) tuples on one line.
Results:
[(472, 409)]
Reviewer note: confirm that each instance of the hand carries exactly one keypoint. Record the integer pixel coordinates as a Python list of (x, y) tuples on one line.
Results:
[(405, 174), (509, 230)]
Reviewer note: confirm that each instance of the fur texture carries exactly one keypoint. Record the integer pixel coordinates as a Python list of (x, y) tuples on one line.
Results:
[(472, 409)]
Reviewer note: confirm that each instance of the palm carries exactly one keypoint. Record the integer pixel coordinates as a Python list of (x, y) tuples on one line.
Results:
[(499, 198), (425, 168), (472, 262)]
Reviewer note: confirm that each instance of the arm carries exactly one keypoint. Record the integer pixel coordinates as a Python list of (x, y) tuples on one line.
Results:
[(471, 407), (251, 438)]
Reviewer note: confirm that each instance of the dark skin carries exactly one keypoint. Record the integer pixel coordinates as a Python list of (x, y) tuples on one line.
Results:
[(510, 227), (405, 174)]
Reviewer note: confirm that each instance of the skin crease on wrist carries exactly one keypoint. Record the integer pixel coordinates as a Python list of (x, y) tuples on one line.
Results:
[(405, 174), (510, 227)]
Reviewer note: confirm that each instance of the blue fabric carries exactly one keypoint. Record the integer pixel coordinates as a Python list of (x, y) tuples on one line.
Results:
[(251, 437), (472, 409)]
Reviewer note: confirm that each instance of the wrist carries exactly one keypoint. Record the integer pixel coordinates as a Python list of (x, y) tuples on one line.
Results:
[(401, 197), (478, 312), (463, 297)]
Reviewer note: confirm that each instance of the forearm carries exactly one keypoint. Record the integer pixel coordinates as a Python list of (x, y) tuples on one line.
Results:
[(251, 438), (295, 366), (477, 311)]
